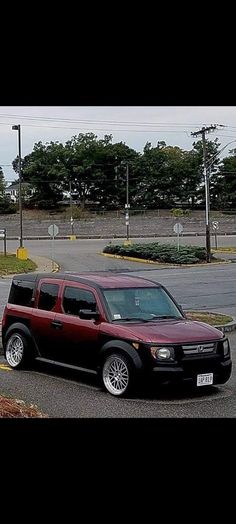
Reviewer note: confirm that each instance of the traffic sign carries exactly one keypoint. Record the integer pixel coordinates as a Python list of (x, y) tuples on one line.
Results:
[(53, 230), (215, 225), (178, 228)]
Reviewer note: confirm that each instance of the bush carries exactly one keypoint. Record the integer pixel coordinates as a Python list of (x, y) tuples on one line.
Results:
[(160, 252), (46, 204), (177, 212), (7, 207)]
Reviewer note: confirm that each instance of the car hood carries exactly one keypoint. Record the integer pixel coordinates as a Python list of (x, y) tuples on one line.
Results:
[(164, 331)]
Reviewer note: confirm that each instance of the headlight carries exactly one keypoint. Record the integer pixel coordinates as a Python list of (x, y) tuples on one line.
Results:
[(163, 353), (226, 347)]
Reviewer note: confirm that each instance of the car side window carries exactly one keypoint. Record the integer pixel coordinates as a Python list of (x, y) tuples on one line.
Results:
[(48, 296), (75, 299)]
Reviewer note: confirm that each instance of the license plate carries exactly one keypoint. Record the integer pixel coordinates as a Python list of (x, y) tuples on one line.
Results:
[(205, 379)]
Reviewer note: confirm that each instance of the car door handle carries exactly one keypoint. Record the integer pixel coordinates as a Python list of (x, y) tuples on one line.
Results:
[(56, 324)]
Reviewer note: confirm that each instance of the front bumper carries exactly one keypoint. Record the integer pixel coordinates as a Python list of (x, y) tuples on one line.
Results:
[(187, 372)]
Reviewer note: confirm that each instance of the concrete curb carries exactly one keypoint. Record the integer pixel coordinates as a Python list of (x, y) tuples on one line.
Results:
[(117, 235), (226, 328)]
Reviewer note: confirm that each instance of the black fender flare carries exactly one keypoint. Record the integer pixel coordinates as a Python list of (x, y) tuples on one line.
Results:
[(125, 347), (25, 330)]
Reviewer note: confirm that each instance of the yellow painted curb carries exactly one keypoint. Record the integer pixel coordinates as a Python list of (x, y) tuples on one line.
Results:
[(165, 264), (4, 367), (224, 250), (132, 259)]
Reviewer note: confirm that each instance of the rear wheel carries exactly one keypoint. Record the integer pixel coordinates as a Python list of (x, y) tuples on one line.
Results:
[(17, 350), (117, 374)]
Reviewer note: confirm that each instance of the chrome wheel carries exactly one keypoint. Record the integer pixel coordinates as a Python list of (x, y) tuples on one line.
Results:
[(15, 350), (116, 375)]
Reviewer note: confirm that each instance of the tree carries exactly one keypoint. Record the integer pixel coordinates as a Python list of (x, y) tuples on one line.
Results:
[(39, 168), (5, 204), (212, 149), (225, 184), (2, 183), (161, 173), (91, 167)]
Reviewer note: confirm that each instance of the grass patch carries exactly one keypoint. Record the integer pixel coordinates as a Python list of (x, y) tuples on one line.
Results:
[(11, 265), (214, 319)]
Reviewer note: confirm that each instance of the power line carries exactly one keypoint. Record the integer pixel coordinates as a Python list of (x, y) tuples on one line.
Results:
[(101, 129), (99, 121)]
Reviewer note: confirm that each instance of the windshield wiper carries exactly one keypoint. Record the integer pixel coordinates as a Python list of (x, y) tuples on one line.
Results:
[(161, 317), (129, 319)]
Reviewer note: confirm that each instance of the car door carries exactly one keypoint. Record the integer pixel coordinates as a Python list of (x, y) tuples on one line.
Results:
[(79, 337), (43, 316)]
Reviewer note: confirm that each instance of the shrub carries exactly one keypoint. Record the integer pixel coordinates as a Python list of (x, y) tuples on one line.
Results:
[(177, 212), (160, 252), (7, 208)]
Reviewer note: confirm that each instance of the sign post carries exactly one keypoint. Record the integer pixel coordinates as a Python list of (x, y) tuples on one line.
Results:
[(53, 231), (3, 235), (178, 228), (215, 227)]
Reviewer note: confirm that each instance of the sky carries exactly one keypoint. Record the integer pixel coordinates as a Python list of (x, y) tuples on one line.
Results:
[(134, 125)]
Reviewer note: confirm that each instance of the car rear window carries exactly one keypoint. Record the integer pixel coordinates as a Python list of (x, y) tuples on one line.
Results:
[(21, 293)]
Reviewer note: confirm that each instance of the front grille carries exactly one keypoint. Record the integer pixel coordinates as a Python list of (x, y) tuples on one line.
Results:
[(199, 349)]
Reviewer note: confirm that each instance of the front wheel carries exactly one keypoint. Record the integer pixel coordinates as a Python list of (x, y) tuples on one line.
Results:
[(16, 350), (117, 374)]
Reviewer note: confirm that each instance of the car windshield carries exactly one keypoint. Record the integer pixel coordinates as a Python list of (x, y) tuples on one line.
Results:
[(140, 304)]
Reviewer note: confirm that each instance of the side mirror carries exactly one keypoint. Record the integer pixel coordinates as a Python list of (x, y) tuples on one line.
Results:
[(182, 311), (87, 314)]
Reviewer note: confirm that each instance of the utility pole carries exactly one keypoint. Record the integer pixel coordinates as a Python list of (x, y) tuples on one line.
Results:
[(72, 235), (127, 205), (203, 132)]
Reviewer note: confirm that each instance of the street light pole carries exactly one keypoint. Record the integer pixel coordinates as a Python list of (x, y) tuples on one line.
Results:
[(21, 252)]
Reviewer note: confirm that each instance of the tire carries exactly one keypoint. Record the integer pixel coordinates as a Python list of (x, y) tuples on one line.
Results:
[(117, 374), (17, 350)]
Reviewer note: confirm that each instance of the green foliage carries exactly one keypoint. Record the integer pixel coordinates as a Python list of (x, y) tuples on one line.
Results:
[(95, 169), (166, 253), (177, 212), (7, 207), (2, 183)]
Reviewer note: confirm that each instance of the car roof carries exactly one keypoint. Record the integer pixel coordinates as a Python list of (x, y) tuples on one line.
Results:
[(104, 280)]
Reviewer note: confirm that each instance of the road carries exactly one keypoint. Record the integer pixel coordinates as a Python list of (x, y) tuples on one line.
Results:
[(64, 394)]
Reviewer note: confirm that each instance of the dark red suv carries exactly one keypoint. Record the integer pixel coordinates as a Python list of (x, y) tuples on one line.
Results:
[(122, 327)]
